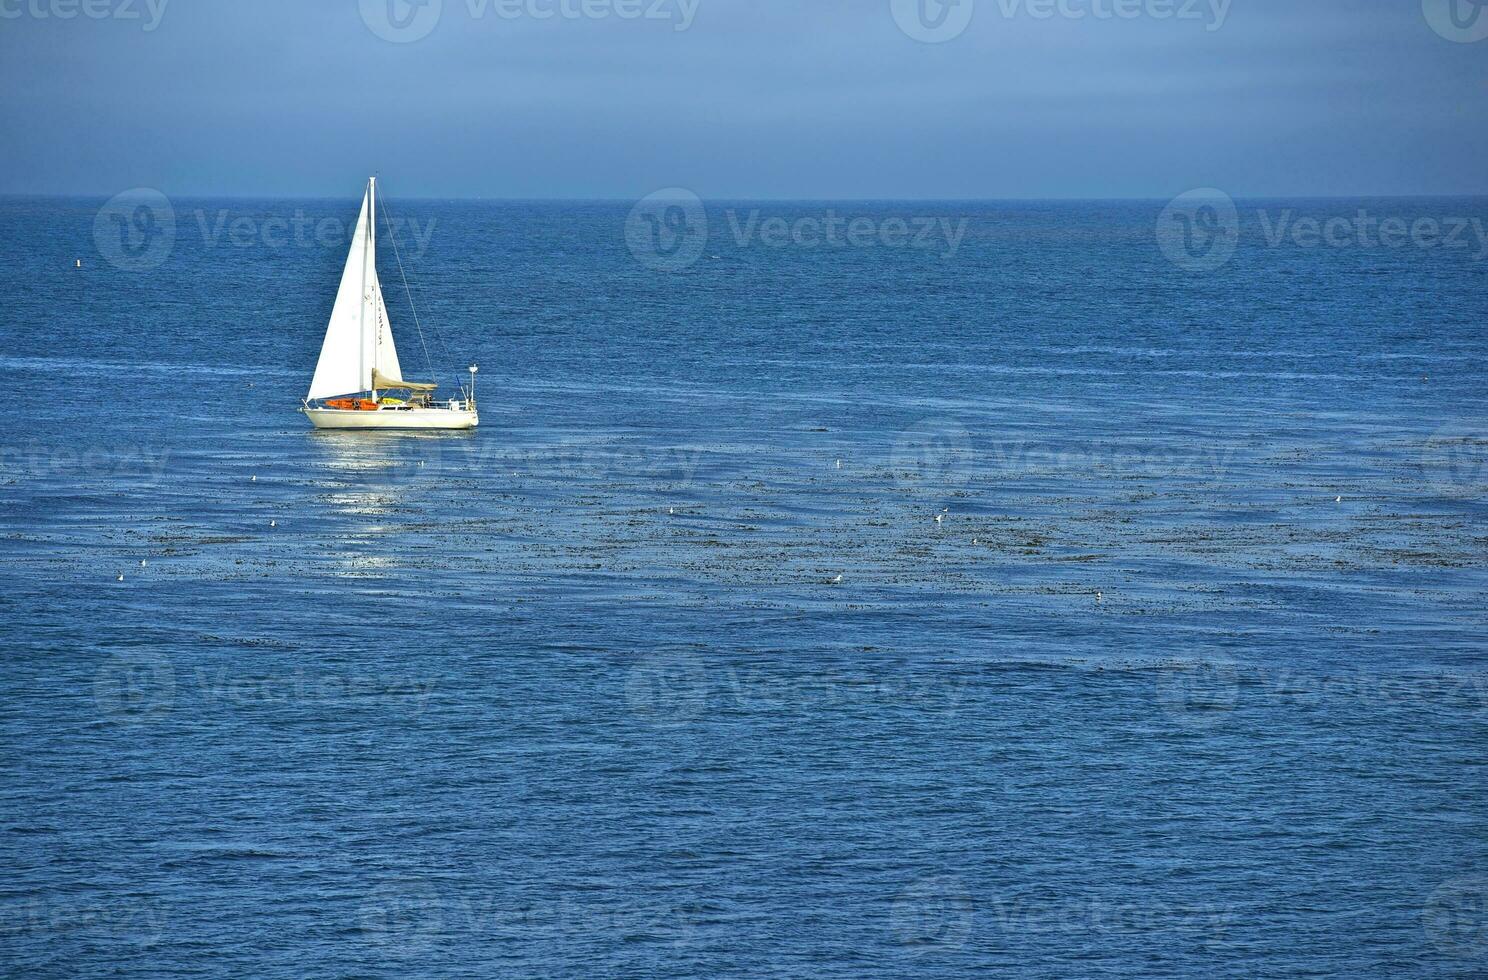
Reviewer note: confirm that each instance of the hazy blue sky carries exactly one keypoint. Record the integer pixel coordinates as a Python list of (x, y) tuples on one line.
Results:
[(754, 98)]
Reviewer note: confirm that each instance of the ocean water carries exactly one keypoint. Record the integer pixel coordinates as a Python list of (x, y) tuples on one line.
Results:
[(1187, 680)]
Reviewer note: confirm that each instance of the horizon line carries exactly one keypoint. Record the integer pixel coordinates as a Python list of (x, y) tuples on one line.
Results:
[(89, 195)]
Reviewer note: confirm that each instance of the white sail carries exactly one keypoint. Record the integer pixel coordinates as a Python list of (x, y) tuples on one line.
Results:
[(385, 356), (359, 338)]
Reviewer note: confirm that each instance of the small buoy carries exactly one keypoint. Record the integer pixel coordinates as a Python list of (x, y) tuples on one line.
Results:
[(79, 263)]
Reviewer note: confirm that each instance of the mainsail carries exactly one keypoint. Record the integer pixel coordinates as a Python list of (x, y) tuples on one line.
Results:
[(358, 353)]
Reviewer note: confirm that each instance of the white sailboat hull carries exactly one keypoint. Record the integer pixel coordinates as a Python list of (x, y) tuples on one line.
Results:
[(411, 418)]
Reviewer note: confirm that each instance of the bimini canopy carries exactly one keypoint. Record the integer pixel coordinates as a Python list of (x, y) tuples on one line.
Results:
[(380, 380)]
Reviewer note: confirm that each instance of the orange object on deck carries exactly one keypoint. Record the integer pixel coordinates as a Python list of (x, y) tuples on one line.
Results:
[(352, 404)]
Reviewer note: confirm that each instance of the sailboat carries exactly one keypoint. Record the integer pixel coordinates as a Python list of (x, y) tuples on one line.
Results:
[(358, 381)]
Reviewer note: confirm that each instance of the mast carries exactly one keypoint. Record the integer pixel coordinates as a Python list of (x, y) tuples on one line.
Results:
[(369, 255)]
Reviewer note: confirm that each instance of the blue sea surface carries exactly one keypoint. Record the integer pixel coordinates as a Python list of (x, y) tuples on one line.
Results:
[(1157, 650)]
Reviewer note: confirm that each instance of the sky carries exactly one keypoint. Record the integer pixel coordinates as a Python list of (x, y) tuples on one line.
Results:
[(776, 99)]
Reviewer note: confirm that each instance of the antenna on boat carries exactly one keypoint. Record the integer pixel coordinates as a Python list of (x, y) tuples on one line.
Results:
[(472, 369)]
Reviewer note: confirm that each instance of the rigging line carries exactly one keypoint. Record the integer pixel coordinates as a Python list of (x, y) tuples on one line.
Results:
[(438, 335), (409, 293)]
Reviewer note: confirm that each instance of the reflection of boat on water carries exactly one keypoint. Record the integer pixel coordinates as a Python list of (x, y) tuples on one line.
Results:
[(380, 471), (358, 366)]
